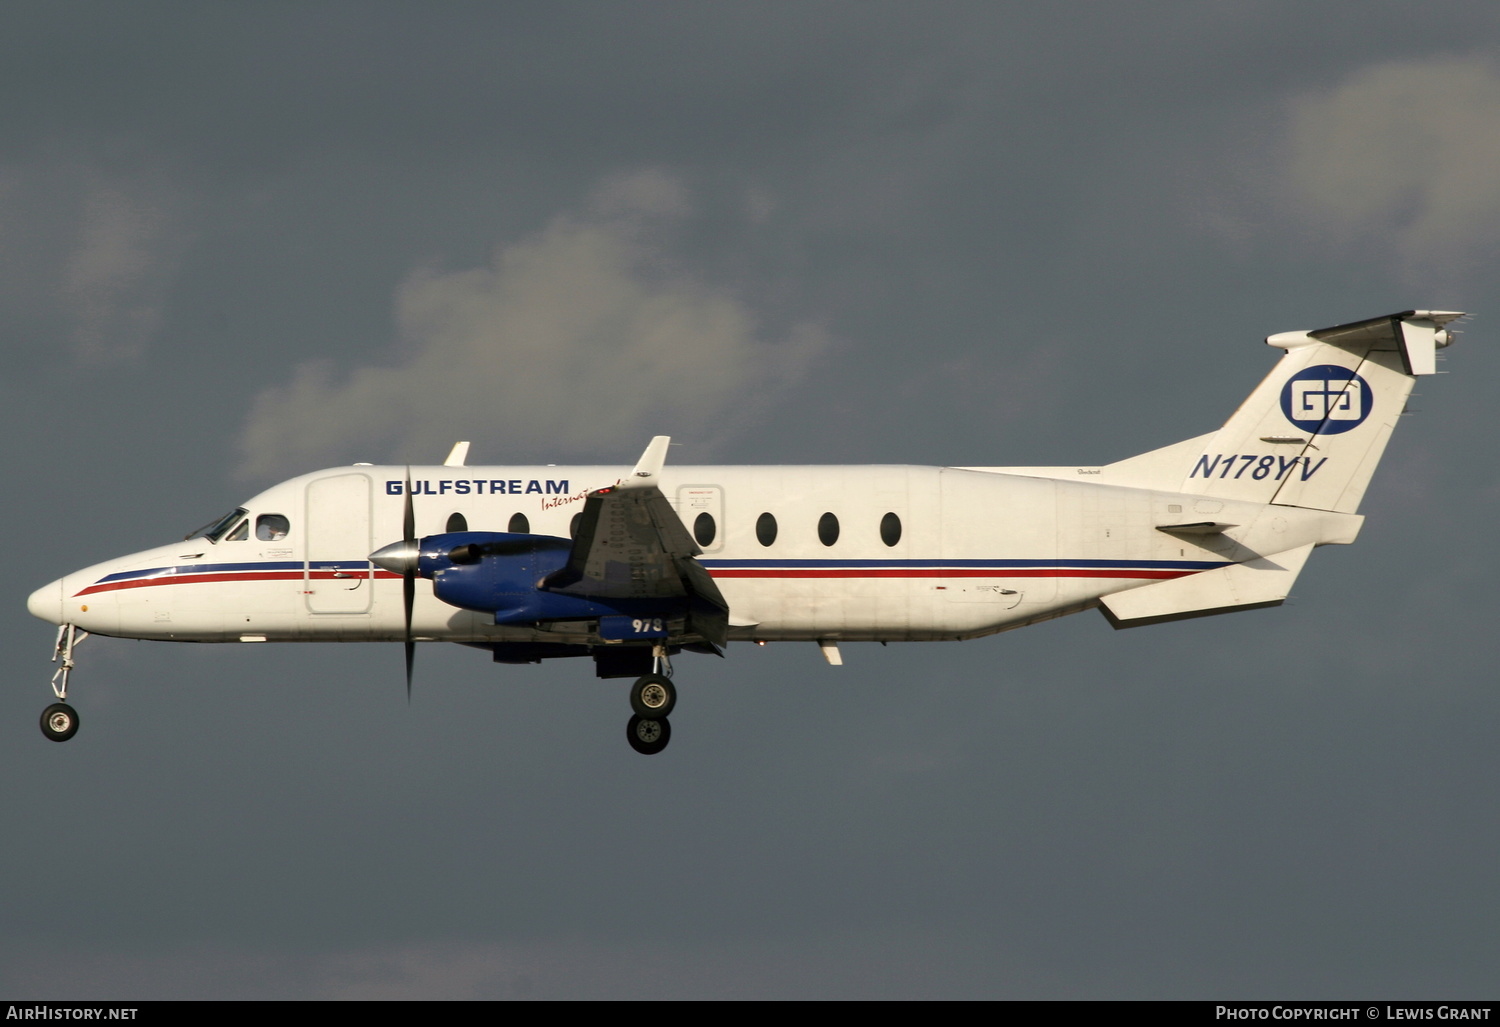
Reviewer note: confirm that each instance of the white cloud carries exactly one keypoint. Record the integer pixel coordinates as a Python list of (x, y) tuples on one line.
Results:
[(582, 335), (1402, 156)]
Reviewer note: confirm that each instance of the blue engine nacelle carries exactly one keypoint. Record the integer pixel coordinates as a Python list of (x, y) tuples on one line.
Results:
[(501, 573)]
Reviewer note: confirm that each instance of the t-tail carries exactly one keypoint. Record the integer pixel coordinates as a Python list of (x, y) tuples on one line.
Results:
[(1314, 430)]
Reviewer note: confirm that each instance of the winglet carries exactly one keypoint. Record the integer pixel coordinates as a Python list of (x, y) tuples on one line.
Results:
[(458, 455), (647, 471)]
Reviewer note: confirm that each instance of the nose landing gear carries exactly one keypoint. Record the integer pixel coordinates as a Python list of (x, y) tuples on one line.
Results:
[(60, 721)]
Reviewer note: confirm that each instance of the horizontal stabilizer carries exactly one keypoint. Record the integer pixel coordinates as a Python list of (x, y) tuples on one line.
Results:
[(1264, 581)]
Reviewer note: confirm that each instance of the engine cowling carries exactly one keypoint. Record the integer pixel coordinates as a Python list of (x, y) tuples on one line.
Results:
[(500, 573)]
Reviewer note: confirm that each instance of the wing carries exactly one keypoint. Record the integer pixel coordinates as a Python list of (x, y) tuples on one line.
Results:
[(631, 544)]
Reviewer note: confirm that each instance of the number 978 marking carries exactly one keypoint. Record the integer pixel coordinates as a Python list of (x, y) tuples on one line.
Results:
[(621, 627)]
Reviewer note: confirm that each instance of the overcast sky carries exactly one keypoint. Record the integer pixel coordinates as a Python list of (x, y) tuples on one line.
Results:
[(241, 242)]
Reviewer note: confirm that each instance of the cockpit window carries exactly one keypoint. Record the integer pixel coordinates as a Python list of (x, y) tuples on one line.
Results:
[(271, 527), (240, 533), (215, 529)]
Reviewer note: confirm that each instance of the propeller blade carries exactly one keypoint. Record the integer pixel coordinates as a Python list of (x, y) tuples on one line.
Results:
[(409, 577), (408, 514), (403, 558), (411, 655)]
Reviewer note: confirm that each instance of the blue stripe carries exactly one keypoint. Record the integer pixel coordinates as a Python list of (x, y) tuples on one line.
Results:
[(229, 568), (766, 564), (1166, 565)]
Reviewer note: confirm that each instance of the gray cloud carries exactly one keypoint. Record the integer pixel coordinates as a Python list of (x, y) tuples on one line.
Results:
[(119, 272), (89, 255), (586, 330), (1402, 155)]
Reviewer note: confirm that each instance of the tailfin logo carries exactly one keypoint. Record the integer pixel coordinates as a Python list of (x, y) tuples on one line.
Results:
[(1326, 400)]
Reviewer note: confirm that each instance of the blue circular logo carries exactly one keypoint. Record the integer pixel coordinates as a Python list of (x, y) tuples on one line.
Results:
[(1326, 400)]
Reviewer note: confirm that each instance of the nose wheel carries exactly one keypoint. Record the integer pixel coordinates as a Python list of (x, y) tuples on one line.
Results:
[(59, 722)]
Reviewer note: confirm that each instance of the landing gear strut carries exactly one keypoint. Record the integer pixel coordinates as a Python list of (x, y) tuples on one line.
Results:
[(652, 697), (60, 721)]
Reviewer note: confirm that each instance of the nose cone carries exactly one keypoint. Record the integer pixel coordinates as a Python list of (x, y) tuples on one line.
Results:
[(398, 557), (46, 602)]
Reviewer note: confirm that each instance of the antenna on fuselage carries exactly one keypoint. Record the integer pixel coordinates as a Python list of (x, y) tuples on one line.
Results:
[(457, 455)]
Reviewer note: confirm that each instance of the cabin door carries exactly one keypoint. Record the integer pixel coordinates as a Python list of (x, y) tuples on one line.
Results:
[(338, 576)]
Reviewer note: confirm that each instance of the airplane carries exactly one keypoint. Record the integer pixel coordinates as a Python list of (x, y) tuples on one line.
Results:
[(630, 569)]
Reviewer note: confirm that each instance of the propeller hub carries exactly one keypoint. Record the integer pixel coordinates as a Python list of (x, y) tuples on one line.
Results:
[(398, 557)]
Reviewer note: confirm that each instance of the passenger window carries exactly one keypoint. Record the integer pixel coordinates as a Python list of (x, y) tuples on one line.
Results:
[(890, 529), (828, 529), (240, 533), (704, 529), (457, 522), (271, 527), (519, 525), (765, 528)]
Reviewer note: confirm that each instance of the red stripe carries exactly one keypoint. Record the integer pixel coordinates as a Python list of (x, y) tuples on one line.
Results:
[(195, 579), (789, 572), (940, 572)]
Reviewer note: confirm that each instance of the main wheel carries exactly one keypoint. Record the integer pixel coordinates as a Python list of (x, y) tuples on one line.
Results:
[(59, 722), (648, 735), (653, 696)]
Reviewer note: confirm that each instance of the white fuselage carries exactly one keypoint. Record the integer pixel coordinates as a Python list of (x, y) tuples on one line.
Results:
[(978, 551)]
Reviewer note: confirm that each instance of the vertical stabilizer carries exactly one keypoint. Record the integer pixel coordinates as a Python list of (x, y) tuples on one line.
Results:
[(1313, 431)]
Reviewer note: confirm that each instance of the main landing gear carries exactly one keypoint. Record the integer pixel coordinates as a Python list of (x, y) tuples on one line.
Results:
[(652, 697), (60, 721), (648, 736)]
